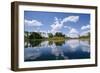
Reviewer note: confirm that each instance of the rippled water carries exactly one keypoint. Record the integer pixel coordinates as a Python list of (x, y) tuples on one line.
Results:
[(61, 50)]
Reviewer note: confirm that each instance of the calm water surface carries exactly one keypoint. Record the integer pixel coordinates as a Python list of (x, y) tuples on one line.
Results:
[(61, 50)]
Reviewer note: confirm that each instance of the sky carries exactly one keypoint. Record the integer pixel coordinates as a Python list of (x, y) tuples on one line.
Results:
[(70, 24)]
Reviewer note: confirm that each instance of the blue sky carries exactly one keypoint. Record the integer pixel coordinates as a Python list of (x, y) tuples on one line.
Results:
[(71, 24)]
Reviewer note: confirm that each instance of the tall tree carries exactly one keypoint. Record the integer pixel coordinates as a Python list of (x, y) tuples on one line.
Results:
[(59, 34), (35, 35), (50, 35)]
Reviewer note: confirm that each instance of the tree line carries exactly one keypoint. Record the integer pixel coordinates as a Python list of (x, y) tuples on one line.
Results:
[(37, 35)]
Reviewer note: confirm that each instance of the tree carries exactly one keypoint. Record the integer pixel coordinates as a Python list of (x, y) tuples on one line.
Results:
[(35, 35), (86, 36), (50, 35), (59, 34)]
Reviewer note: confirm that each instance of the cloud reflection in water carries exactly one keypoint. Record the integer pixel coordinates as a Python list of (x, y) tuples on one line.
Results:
[(46, 50)]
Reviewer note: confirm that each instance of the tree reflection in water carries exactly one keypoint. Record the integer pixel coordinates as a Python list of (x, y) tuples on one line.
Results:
[(32, 43), (56, 50)]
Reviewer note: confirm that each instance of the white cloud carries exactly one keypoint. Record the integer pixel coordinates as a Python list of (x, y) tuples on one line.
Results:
[(68, 27), (32, 23), (58, 24), (71, 19), (85, 33), (73, 30), (85, 27), (73, 33), (85, 30)]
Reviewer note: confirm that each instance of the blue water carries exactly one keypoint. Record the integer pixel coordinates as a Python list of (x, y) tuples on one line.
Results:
[(68, 49)]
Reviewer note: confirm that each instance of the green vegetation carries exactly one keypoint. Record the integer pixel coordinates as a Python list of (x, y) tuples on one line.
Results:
[(50, 35), (57, 37), (34, 36), (59, 34), (85, 37)]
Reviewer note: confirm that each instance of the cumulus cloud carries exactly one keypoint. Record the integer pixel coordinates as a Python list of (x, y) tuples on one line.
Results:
[(56, 26), (32, 25), (71, 19), (73, 30), (85, 27), (73, 33), (85, 30), (85, 33), (58, 23), (68, 27)]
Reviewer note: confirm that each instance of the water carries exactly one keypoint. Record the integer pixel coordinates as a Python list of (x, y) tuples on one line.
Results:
[(59, 50)]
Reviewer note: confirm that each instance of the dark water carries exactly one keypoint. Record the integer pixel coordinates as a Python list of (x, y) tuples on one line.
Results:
[(59, 50)]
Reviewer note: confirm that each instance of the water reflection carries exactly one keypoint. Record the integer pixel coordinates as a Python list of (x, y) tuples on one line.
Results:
[(32, 43), (31, 54), (42, 50)]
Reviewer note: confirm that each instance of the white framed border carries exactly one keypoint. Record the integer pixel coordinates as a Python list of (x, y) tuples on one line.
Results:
[(34, 64)]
